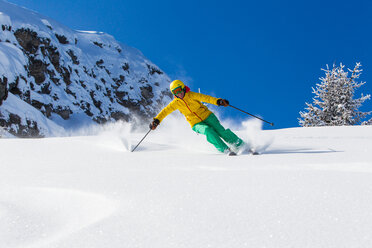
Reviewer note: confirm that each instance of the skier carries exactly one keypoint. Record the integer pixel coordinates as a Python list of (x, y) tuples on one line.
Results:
[(201, 119)]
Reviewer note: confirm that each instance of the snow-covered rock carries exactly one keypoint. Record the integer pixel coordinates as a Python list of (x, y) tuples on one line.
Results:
[(62, 73)]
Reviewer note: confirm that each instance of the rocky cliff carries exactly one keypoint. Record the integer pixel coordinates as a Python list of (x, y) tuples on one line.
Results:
[(52, 76)]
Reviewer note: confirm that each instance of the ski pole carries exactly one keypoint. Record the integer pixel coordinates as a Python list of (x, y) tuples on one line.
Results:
[(141, 140), (271, 123)]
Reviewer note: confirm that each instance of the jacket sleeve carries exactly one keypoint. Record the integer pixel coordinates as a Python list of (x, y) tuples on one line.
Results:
[(205, 98), (166, 111)]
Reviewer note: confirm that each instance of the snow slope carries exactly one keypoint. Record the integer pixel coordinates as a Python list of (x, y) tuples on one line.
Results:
[(312, 187)]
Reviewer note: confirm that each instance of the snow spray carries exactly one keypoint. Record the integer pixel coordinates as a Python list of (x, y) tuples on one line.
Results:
[(117, 135), (253, 135)]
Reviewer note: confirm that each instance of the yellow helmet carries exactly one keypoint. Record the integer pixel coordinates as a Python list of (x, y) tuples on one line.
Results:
[(176, 84)]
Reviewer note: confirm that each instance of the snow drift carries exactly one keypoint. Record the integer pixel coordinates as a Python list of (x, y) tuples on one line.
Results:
[(310, 188)]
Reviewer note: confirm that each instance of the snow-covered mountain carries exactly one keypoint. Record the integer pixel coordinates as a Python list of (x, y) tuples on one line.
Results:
[(52, 77), (311, 188)]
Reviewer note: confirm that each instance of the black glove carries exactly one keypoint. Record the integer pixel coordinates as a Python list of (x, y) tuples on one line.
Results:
[(222, 102), (154, 124)]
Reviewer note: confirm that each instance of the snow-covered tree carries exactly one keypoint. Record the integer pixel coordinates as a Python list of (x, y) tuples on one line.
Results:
[(334, 103)]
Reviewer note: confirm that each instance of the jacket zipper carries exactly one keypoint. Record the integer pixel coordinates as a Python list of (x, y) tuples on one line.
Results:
[(191, 111)]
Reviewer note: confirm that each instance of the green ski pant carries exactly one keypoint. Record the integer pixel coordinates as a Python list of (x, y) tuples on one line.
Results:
[(212, 128)]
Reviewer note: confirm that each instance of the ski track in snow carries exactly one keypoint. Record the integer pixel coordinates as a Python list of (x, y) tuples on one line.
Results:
[(35, 217)]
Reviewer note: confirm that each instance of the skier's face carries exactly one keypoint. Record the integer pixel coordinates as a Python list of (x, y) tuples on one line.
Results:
[(181, 94)]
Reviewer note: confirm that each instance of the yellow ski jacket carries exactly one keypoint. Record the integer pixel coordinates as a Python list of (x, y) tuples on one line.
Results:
[(190, 106)]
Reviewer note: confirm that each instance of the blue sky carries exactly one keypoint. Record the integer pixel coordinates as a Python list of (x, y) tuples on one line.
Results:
[(263, 56)]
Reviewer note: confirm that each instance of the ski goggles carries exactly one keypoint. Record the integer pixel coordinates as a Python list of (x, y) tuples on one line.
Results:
[(177, 90)]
